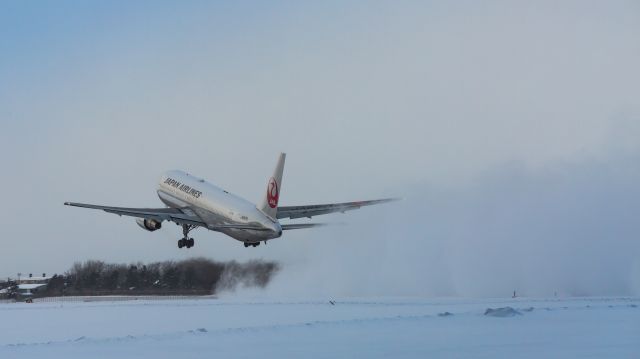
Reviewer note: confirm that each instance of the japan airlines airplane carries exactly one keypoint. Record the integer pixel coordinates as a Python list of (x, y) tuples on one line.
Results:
[(194, 203)]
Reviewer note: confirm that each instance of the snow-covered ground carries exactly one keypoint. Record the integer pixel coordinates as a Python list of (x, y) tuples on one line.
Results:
[(365, 328)]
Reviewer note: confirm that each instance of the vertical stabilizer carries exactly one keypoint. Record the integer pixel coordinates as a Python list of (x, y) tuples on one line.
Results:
[(269, 205)]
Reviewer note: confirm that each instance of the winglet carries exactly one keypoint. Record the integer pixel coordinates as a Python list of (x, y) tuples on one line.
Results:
[(269, 205)]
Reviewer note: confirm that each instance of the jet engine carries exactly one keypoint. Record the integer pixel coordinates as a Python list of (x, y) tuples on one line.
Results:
[(149, 224)]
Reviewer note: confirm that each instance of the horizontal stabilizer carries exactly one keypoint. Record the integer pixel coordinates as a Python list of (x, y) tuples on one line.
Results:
[(319, 209), (286, 227)]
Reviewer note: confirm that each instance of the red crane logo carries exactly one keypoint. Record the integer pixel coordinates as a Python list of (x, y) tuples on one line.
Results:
[(272, 193)]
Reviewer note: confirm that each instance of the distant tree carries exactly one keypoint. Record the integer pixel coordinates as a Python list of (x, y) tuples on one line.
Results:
[(189, 277), (110, 279), (199, 274), (144, 279), (133, 279), (55, 285), (171, 275), (87, 274), (12, 292)]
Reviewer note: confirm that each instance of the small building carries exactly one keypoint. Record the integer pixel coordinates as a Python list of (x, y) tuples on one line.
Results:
[(29, 285), (34, 280), (27, 290)]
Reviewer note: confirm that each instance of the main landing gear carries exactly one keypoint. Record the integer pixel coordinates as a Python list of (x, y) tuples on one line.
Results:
[(186, 241), (247, 244)]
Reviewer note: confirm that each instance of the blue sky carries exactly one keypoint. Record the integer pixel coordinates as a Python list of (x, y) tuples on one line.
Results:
[(368, 99)]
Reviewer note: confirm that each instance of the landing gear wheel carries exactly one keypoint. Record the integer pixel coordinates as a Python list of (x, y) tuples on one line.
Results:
[(186, 241), (246, 245)]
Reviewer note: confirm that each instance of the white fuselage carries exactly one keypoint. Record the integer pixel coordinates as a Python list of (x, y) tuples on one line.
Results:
[(216, 207)]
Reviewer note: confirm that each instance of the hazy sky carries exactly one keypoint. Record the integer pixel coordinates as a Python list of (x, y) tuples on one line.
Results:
[(512, 130)]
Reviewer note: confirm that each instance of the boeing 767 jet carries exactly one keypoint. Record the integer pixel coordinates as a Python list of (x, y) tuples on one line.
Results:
[(192, 202)]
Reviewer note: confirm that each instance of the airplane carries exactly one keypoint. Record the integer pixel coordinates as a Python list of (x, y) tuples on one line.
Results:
[(192, 203)]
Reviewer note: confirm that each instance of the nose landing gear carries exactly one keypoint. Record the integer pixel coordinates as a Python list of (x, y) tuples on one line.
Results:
[(247, 244), (186, 241)]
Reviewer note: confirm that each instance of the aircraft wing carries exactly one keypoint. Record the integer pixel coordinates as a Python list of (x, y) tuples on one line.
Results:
[(160, 214), (318, 209), (177, 215)]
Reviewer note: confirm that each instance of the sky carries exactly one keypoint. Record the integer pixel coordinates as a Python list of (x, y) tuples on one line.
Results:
[(511, 130)]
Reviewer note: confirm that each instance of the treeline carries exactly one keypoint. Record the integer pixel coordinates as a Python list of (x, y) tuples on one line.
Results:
[(197, 276)]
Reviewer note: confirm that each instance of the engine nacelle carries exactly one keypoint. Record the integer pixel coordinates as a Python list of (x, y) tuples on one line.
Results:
[(149, 224)]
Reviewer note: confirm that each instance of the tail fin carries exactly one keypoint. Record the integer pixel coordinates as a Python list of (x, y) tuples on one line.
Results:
[(269, 205)]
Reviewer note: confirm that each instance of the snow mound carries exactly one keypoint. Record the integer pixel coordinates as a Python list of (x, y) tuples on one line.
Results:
[(501, 312), (445, 314)]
